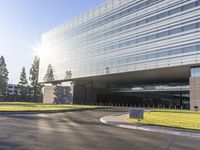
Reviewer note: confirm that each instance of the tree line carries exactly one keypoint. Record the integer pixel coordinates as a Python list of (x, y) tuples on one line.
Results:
[(26, 92)]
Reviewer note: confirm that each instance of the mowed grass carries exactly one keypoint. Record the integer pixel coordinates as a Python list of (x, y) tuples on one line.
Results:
[(172, 118), (23, 106)]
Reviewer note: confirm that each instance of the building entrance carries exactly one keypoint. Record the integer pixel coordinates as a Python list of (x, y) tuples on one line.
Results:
[(167, 99)]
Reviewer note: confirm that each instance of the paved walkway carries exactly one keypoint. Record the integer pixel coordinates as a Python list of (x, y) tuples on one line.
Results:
[(119, 120)]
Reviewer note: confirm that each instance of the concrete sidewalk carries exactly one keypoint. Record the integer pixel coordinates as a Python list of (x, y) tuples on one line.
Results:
[(119, 120)]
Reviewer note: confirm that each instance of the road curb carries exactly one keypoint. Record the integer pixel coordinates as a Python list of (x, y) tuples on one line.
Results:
[(118, 121), (48, 112)]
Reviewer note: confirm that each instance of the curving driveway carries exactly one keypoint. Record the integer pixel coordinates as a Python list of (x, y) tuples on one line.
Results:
[(81, 130)]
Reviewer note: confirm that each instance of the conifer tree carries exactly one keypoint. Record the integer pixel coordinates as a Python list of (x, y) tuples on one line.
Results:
[(34, 73), (23, 83), (3, 77), (49, 74)]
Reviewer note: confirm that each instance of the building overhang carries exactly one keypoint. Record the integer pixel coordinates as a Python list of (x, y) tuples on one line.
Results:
[(153, 76)]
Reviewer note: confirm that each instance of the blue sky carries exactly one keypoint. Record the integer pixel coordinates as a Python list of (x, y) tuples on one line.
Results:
[(23, 21)]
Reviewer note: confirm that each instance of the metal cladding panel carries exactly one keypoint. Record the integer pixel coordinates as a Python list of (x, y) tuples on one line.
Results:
[(124, 36)]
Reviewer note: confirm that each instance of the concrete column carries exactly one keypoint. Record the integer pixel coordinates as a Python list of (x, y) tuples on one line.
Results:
[(58, 94), (48, 96), (194, 92), (76, 94)]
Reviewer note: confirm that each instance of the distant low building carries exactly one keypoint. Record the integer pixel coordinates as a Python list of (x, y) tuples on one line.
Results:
[(13, 89)]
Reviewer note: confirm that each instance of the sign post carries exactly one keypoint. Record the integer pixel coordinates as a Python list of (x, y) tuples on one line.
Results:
[(136, 114)]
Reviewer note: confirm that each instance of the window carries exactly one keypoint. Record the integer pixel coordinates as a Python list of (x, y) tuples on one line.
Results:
[(141, 5), (174, 31), (116, 30), (106, 49), (132, 9), (163, 15), (124, 28), (175, 52), (132, 25), (115, 62), (128, 43), (123, 44), (152, 56), (176, 10), (195, 72), (115, 46), (188, 27), (132, 42), (126, 12), (152, 1), (162, 34), (131, 59), (198, 47), (151, 18), (141, 22), (188, 6), (197, 3), (111, 63), (154, 17), (140, 58), (141, 40), (163, 54), (188, 49), (152, 37), (122, 61), (198, 25)]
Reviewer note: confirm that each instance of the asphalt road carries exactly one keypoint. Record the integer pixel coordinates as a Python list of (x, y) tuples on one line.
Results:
[(81, 131)]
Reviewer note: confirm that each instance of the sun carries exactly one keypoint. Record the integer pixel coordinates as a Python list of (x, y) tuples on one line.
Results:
[(38, 51)]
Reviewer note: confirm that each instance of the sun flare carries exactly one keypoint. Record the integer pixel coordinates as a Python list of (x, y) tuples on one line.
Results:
[(38, 51)]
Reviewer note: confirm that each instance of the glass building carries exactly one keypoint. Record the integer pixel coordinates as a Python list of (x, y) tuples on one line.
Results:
[(131, 42)]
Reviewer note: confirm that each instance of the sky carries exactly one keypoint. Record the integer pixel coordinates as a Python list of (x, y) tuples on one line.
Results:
[(22, 23)]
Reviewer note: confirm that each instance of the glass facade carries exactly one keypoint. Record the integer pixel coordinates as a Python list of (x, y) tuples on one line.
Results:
[(124, 36), (195, 72), (167, 99)]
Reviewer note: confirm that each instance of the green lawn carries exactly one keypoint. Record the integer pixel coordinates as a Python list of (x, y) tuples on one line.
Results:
[(22, 106), (172, 118)]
